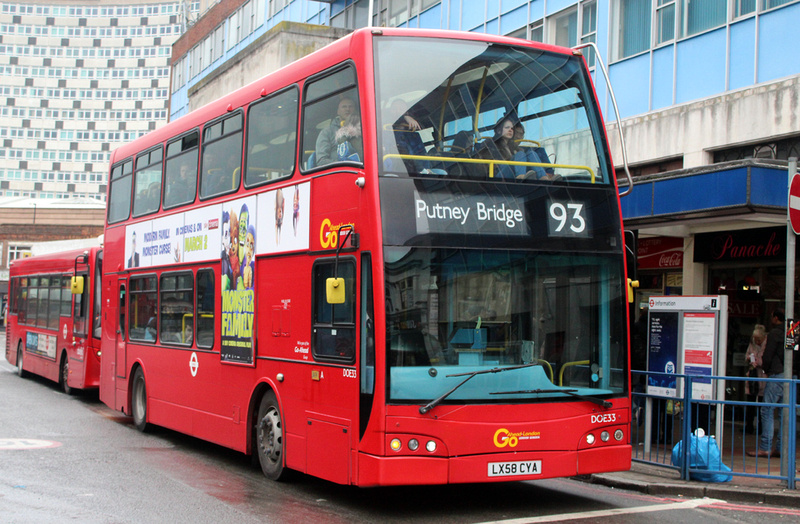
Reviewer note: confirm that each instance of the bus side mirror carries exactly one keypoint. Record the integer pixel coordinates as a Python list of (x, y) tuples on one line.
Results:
[(77, 285), (334, 290)]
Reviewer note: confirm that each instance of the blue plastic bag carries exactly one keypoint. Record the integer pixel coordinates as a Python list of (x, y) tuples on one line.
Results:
[(703, 454)]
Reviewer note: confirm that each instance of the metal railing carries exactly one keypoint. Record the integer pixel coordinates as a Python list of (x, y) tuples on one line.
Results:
[(659, 423)]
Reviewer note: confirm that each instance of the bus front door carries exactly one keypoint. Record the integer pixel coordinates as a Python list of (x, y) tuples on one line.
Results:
[(121, 351)]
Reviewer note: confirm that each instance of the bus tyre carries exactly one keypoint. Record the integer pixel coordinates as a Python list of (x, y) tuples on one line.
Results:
[(63, 375), (139, 401), (269, 437), (21, 372)]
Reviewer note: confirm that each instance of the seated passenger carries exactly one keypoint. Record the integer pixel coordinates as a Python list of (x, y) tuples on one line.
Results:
[(181, 189), (151, 198), (349, 145), (526, 153), (406, 137), (326, 146), (500, 147), (462, 147)]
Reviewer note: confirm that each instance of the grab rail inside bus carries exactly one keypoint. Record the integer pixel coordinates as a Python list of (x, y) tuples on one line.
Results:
[(490, 162), (567, 365), (599, 60), (549, 367)]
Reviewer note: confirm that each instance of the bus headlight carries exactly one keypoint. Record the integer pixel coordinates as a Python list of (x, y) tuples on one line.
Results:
[(604, 436), (413, 444), (618, 434), (396, 444), (590, 438), (430, 446)]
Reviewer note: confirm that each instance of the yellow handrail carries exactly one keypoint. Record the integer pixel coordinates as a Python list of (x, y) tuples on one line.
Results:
[(490, 162), (540, 361), (478, 104), (567, 365), (444, 105)]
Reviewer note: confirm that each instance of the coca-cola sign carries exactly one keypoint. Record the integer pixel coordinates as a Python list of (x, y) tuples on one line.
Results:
[(660, 253), (749, 244)]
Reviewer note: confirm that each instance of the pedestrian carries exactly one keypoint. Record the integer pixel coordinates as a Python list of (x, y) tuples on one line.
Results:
[(772, 361), (753, 357)]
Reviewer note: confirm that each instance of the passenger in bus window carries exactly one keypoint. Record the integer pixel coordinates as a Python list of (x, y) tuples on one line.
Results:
[(150, 331), (349, 146), (500, 147), (530, 151), (152, 197), (326, 147), (182, 189), (222, 179)]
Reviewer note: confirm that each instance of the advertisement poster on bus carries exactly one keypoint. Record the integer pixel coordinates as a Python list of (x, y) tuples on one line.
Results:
[(238, 241), (40, 344), (184, 237), (284, 219), (198, 238)]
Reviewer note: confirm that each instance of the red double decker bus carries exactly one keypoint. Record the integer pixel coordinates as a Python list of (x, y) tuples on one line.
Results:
[(398, 260), (53, 325)]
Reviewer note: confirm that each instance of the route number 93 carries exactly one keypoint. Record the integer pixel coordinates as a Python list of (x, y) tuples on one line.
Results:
[(567, 219)]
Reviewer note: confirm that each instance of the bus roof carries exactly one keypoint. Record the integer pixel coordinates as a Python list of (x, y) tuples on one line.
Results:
[(49, 262), (295, 72)]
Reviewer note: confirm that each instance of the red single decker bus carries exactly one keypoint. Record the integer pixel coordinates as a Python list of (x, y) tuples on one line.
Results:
[(53, 325), (398, 260)]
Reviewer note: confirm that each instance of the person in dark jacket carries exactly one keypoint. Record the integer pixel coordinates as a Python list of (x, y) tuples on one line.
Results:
[(772, 361)]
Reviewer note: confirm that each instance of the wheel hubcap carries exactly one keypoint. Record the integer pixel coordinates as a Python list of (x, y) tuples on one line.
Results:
[(270, 435)]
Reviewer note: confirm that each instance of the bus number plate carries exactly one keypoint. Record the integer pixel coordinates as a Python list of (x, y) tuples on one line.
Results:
[(508, 469)]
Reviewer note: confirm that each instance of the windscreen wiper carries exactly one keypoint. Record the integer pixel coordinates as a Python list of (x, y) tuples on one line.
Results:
[(599, 401), (435, 402)]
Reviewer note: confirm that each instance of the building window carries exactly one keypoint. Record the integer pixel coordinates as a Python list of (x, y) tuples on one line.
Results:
[(632, 28), (700, 16), (16, 252), (743, 7), (577, 25), (665, 21)]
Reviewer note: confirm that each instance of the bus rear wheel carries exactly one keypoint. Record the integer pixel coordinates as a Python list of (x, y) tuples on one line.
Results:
[(64, 375), (20, 372), (269, 437), (139, 401)]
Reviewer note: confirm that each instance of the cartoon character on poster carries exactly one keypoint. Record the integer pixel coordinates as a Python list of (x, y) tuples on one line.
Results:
[(238, 270), (295, 209), (244, 222), (230, 250), (279, 203), (248, 263)]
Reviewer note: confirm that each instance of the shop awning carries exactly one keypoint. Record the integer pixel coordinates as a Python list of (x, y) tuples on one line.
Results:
[(732, 188)]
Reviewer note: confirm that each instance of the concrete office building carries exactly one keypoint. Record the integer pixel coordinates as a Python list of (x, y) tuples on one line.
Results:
[(78, 78)]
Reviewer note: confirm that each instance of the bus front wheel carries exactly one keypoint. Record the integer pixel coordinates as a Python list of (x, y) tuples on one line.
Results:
[(21, 372), (269, 437), (139, 401), (64, 374)]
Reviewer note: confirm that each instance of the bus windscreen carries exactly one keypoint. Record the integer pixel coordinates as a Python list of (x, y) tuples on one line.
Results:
[(481, 111)]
